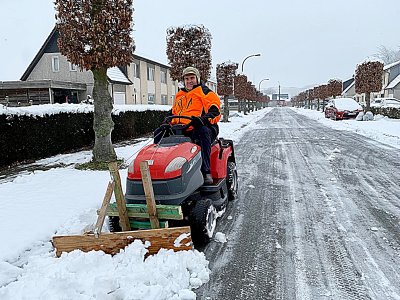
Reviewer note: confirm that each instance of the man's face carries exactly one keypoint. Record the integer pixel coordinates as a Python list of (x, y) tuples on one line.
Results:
[(190, 80)]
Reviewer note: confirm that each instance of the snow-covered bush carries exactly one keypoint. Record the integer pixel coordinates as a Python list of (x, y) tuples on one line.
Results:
[(368, 116), (360, 116)]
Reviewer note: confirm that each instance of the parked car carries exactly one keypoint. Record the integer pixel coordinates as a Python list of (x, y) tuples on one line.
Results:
[(386, 102), (342, 108)]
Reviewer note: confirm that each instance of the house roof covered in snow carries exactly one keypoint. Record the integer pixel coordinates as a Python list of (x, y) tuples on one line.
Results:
[(115, 75), (350, 84), (393, 83), (391, 65)]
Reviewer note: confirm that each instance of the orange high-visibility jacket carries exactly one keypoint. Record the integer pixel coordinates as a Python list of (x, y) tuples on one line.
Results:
[(196, 102)]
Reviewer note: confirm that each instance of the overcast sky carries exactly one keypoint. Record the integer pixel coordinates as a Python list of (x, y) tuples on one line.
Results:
[(302, 42)]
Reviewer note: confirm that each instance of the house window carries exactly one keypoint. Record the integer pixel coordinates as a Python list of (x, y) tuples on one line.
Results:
[(164, 99), (150, 73), (150, 98), (163, 75), (55, 64), (73, 67), (135, 70)]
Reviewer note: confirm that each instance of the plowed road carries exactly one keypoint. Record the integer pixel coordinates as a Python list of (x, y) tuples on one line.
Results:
[(317, 217)]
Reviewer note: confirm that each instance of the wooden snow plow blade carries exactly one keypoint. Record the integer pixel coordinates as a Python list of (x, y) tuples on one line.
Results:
[(112, 243), (130, 215)]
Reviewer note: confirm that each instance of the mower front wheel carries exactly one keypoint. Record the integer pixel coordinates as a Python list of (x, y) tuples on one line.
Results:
[(203, 220)]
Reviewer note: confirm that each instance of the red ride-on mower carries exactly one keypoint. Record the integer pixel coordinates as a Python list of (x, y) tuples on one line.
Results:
[(177, 180)]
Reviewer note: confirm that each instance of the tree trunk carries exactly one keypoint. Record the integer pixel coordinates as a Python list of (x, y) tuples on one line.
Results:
[(103, 150), (239, 106), (226, 109), (367, 101), (318, 105)]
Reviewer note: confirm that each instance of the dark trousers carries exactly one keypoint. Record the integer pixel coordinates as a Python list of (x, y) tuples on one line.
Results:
[(203, 136)]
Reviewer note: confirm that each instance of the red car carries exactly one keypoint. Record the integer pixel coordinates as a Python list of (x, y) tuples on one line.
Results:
[(342, 108)]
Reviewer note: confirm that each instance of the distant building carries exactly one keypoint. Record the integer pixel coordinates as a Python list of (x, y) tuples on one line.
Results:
[(280, 96)]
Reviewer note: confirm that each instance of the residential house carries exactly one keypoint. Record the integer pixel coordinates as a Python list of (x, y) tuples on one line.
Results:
[(212, 84), (391, 80), (152, 83), (348, 88), (51, 78)]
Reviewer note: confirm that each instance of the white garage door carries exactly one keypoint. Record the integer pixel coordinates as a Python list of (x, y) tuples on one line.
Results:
[(119, 98)]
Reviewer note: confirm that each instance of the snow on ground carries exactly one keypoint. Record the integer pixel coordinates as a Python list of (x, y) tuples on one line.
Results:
[(39, 204), (36, 205), (382, 129)]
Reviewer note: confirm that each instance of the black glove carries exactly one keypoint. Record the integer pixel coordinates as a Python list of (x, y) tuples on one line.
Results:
[(198, 122)]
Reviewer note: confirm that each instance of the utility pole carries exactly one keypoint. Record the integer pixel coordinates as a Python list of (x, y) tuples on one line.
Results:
[(279, 93)]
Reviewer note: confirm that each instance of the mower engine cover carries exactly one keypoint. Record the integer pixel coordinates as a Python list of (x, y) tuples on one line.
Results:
[(165, 162)]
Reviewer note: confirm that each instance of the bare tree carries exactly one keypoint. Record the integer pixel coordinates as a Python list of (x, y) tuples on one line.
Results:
[(96, 35), (368, 79), (189, 45), (225, 75), (269, 91), (388, 56)]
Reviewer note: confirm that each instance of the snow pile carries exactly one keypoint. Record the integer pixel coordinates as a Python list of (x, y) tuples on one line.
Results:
[(332, 156), (220, 237), (96, 275)]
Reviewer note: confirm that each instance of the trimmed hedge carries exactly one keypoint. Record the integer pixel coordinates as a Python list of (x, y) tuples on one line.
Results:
[(390, 112), (25, 138)]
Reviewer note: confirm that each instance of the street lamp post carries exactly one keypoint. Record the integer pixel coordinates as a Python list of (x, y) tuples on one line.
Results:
[(259, 85), (279, 93), (258, 54)]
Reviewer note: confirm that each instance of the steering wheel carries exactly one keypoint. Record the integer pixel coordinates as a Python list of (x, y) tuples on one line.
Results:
[(178, 128)]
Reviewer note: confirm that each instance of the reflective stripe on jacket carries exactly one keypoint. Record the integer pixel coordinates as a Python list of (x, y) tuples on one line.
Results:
[(196, 102)]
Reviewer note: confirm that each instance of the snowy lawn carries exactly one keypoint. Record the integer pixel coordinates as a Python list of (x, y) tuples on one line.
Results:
[(39, 204), (36, 205)]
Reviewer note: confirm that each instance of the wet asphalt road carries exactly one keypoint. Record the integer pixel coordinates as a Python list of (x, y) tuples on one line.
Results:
[(317, 217)]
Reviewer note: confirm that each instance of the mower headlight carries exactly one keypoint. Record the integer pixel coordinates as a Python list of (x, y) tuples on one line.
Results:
[(175, 164)]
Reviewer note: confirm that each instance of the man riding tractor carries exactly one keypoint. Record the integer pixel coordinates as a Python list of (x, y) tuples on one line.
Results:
[(197, 101)]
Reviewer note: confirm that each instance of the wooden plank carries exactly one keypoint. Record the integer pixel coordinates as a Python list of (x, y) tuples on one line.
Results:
[(149, 194), (112, 243), (168, 212), (119, 197), (102, 212), (146, 224)]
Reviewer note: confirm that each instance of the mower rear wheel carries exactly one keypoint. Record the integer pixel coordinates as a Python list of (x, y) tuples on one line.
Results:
[(203, 219), (232, 180), (113, 224)]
